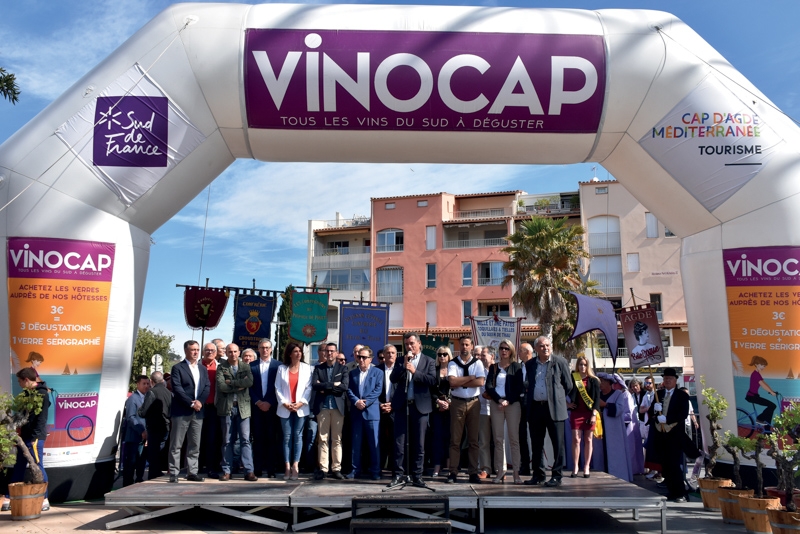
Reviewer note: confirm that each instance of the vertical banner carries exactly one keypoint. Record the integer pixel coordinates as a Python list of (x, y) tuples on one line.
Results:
[(763, 289), (431, 343), (364, 323), (203, 306), (58, 293), (309, 320), (642, 335), (490, 331), (252, 319)]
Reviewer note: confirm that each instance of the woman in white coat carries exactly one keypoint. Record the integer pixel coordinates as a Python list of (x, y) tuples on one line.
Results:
[(293, 389)]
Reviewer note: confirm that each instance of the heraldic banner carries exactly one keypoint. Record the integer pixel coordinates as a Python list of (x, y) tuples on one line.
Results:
[(203, 306), (642, 335), (252, 319), (309, 320), (431, 343), (490, 331), (364, 323)]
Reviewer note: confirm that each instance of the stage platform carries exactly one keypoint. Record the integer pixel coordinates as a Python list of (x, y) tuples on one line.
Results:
[(331, 500)]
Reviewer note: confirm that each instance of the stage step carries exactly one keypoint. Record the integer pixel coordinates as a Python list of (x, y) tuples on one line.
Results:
[(398, 525)]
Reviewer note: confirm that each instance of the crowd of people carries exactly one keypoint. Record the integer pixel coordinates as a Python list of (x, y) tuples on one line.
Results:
[(483, 412)]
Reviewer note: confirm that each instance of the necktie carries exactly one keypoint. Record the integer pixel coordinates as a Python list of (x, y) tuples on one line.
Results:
[(410, 382)]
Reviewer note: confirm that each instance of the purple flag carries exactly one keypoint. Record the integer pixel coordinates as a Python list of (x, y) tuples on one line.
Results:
[(596, 314)]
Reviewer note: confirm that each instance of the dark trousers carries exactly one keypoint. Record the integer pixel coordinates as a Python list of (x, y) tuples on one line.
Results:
[(156, 443), (36, 448), (769, 407), (267, 436), (440, 444), (524, 451), (133, 462), (210, 441), (386, 441), (670, 449), (412, 429), (539, 420)]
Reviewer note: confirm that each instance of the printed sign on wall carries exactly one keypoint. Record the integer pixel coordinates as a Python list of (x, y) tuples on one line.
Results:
[(58, 293)]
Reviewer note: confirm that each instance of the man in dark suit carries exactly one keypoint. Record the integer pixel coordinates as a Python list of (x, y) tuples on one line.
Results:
[(416, 372), (549, 384), (667, 416), (190, 389), (155, 410), (263, 415), (329, 382), (134, 451), (386, 427), (364, 387)]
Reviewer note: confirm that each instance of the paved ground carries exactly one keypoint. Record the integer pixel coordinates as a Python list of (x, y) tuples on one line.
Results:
[(687, 518)]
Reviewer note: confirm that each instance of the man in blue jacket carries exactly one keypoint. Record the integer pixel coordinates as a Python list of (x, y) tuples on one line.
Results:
[(133, 453), (190, 389), (266, 429), (365, 385)]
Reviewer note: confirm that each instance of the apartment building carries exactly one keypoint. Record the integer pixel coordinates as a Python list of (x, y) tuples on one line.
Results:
[(437, 258)]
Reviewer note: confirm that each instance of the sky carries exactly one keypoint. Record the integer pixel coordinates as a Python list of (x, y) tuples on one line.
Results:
[(256, 226)]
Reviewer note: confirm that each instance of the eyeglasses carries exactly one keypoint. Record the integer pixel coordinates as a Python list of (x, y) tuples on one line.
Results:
[(504, 348), (442, 354), (363, 357)]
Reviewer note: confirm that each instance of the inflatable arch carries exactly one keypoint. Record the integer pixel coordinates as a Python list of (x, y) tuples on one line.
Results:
[(87, 181)]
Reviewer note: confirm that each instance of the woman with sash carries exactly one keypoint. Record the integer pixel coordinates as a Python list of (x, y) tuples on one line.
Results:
[(583, 416), (504, 387)]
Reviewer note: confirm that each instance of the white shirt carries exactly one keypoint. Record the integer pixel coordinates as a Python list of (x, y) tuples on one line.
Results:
[(195, 370), (387, 384), (476, 370), (362, 377), (263, 369)]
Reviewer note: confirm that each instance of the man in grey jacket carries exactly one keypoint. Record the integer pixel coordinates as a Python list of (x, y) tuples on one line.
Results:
[(232, 399), (550, 383)]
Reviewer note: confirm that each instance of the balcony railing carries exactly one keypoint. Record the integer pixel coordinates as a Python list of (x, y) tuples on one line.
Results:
[(333, 325), (476, 243), (495, 281), (389, 298), (346, 287), (482, 214), (389, 248), (341, 251), (347, 223), (610, 283), (604, 244)]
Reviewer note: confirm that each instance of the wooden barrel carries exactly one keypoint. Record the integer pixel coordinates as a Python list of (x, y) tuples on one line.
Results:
[(26, 500), (708, 491), (729, 504), (754, 513), (783, 522)]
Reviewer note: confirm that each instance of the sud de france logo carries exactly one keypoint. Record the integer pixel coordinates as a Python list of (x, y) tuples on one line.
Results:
[(131, 131)]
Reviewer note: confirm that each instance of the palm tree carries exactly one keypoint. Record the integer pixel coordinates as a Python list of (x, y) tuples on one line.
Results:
[(8, 86), (563, 329), (544, 262)]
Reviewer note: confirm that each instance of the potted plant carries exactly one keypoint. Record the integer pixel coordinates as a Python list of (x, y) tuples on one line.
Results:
[(26, 497), (784, 449), (520, 205), (729, 496), (754, 508), (716, 404)]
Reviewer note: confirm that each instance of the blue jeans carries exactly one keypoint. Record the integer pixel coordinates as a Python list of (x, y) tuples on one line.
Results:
[(292, 427), (229, 425), (36, 448)]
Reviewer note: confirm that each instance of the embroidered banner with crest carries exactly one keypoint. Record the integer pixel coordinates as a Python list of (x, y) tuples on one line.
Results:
[(203, 306), (252, 319)]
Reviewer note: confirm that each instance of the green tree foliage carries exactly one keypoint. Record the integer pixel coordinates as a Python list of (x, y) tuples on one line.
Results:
[(784, 449), (717, 406), (8, 86), (737, 445), (148, 343), (14, 413), (544, 261), (284, 314)]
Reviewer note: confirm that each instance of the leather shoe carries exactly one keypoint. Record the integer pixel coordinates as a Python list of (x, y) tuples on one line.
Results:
[(195, 478), (224, 477), (679, 499), (474, 479), (451, 478), (397, 480), (173, 479), (319, 475), (338, 475), (553, 482), (250, 477), (417, 482), (534, 482)]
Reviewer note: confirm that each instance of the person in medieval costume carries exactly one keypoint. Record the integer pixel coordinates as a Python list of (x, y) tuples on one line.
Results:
[(618, 423)]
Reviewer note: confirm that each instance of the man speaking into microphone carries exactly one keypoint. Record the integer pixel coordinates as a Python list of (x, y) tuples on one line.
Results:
[(413, 375)]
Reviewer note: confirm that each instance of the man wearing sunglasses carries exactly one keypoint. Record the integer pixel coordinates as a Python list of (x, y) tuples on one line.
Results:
[(364, 388)]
